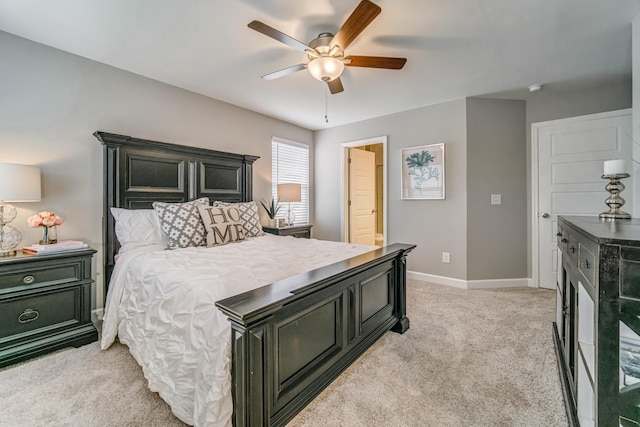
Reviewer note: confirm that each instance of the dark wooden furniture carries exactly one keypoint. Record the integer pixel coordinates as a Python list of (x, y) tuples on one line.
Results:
[(303, 231), (291, 338), (45, 304), (598, 320)]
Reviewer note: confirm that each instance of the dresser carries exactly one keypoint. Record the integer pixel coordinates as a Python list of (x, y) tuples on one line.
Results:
[(45, 304), (303, 231), (597, 326)]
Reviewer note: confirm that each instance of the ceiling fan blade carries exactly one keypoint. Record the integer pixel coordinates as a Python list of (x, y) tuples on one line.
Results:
[(375, 62), (360, 18), (335, 86), (277, 35), (284, 72)]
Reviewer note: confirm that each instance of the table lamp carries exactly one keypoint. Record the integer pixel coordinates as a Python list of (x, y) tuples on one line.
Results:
[(290, 193), (18, 183)]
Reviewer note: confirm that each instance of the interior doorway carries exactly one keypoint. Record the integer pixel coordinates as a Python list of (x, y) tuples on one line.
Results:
[(364, 197), (567, 165)]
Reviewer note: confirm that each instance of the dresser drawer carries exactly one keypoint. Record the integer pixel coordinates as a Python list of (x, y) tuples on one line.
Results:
[(587, 263), (35, 313), (571, 249), (45, 275)]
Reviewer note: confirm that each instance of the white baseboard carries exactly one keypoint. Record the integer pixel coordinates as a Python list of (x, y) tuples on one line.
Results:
[(97, 314), (470, 284), (438, 280)]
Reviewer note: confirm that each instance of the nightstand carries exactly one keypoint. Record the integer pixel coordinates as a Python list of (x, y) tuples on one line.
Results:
[(45, 304), (303, 231)]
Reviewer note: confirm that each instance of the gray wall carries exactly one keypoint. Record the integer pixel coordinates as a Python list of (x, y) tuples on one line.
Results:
[(496, 234), (436, 226), (553, 104), (51, 102)]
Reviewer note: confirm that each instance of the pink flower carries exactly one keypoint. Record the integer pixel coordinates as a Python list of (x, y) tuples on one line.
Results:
[(44, 219), (34, 221)]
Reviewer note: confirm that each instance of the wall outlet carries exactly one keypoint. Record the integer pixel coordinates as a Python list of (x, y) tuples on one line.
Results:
[(496, 199), (446, 257)]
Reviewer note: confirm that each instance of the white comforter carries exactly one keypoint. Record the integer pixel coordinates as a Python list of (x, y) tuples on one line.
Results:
[(162, 305)]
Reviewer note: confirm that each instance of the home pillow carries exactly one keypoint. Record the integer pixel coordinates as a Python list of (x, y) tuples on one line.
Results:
[(223, 224), (249, 217), (136, 228), (181, 223)]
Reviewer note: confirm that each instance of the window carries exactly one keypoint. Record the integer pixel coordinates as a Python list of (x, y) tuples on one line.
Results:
[(290, 164)]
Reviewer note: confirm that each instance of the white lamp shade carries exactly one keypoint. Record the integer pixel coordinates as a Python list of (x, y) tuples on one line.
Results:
[(290, 192), (326, 68), (19, 183)]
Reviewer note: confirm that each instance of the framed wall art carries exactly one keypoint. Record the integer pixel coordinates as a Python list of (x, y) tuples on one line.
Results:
[(423, 172)]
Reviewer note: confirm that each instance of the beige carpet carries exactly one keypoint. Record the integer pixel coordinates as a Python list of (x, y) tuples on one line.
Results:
[(471, 358)]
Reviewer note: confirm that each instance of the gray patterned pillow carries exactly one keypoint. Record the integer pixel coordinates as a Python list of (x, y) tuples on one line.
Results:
[(182, 223), (249, 217)]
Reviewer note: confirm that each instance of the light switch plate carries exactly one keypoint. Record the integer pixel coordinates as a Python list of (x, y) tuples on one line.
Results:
[(496, 199)]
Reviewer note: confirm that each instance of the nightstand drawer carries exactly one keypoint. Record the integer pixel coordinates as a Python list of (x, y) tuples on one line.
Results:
[(32, 314), (39, 276)]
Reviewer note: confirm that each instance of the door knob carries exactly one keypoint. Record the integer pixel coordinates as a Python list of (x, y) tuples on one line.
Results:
[(545, 215)]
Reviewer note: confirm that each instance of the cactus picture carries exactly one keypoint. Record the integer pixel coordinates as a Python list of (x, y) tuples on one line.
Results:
[(423, 172)]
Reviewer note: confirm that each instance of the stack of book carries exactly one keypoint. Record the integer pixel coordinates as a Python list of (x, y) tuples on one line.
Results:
[(65, 245)]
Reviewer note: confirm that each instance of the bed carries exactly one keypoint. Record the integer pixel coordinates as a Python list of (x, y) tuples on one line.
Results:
[(289, 337)]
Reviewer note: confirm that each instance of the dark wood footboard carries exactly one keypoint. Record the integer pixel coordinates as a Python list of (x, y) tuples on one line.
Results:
[(292, 338)]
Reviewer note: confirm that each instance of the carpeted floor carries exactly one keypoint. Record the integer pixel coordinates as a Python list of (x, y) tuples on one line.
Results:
[(470, 358)]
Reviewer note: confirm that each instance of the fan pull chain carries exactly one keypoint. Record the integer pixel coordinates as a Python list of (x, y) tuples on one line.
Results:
[(326, 106)]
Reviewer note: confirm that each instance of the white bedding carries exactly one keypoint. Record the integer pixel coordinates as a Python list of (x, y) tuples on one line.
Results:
[(161, 304)]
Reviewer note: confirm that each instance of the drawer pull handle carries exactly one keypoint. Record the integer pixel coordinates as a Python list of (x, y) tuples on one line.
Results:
[(28, 279), (585, 264), (564, 240), (558, 234), (29, 315), (572, 250)]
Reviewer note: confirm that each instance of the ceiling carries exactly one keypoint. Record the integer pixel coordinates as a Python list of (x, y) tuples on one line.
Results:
[(454, 49)]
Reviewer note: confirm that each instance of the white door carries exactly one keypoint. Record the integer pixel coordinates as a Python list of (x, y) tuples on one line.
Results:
[(571, 154), (362, 196)]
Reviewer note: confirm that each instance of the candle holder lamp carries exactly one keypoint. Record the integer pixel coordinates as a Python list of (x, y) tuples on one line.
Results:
[(614, 201)]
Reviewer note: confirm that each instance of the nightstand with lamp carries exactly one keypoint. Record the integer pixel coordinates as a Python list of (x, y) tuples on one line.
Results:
[(45, 300)]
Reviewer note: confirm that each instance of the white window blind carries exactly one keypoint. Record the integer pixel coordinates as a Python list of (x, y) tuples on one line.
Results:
[(290, 164)]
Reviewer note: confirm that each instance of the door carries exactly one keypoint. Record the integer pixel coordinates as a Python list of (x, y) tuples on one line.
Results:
[(571, 154), (362, 196)]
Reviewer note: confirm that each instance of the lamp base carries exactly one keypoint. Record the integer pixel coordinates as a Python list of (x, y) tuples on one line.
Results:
[(8, 253)]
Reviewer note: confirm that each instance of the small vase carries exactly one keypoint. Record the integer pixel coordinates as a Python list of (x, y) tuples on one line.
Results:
[(49, 235), (273, 222)]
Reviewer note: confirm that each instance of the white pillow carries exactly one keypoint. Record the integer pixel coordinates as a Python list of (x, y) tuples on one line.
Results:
[(137, 227)]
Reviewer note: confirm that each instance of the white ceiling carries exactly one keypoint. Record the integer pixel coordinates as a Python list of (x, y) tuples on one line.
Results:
[(454, 48)]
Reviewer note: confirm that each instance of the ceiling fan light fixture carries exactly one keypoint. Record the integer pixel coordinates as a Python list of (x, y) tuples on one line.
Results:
[(326, 68)]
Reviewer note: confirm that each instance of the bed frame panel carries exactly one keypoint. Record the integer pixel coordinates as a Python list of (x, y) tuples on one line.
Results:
[(291, 338)]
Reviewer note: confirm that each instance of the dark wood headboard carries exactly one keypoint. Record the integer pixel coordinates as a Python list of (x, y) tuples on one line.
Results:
[(138, 172)]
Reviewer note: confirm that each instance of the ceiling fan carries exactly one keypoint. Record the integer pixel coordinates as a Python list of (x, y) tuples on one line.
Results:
[(326, 52)]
